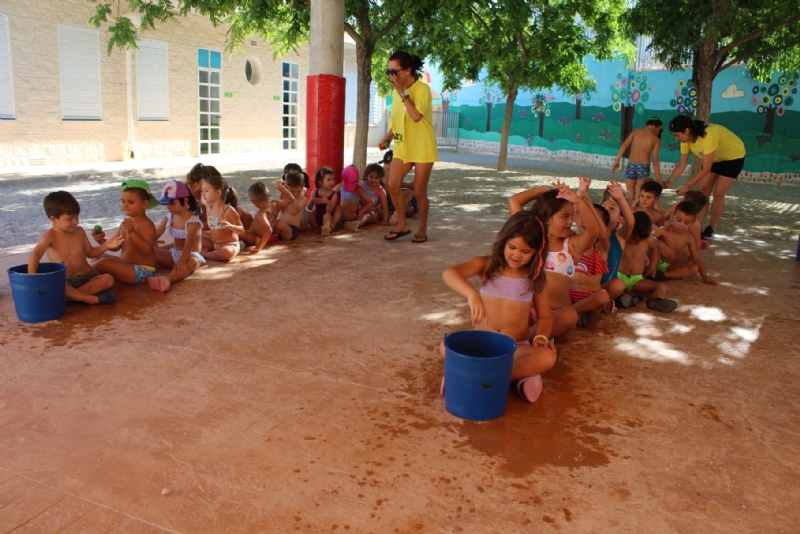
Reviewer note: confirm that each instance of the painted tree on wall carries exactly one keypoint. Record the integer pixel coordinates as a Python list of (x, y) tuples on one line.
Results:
[(578, 98), (541, 109), (491, 95), (773, 99), (447, 97), (629, 94), (685, 98)]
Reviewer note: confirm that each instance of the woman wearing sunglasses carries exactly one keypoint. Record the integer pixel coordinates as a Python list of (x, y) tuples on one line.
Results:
[(411, 129)]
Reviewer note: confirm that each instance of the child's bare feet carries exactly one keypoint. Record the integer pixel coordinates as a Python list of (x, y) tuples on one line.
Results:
[(326, 230)]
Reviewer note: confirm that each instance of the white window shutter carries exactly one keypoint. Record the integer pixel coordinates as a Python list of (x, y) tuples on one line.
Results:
[(152, 80), (6, 79), (375, 105), (350, 97), (79, 60)]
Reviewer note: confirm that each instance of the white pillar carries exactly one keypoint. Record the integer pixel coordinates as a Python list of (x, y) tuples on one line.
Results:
[(327, 37)]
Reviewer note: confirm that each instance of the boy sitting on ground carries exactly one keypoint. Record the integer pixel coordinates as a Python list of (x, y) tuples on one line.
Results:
[(640, 247), (67, 243), (137, 261), (290, 206), (259, 233), (676, 237), (648, 202), (699, 199)]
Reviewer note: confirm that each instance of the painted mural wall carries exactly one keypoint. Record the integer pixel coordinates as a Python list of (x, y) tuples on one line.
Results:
[(588, 127)]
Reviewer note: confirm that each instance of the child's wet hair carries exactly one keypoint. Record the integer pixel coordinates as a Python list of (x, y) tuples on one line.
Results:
[(143, 194), (547, 205), (604, 215), (216, 181), (60, 203), (643, 225), (652, 187), (533, 229), (258, 192), (293, 179), (698, 198), (295, 167), (320, 175), (197, 174), (687, 207), (376, 168)]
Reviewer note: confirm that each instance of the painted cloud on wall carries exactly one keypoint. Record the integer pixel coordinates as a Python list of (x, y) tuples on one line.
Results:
[(733, 92)]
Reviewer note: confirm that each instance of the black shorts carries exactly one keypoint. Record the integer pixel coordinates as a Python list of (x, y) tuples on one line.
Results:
[(728, 169)]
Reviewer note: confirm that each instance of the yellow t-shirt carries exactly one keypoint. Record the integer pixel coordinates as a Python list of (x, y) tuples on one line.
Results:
[(414, 141), (725, 144)]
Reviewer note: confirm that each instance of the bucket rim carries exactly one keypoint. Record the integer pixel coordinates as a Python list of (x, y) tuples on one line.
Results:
[(482, 358), (61, 267)]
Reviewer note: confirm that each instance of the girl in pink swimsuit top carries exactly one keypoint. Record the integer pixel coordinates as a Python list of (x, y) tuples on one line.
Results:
[(511, 278)]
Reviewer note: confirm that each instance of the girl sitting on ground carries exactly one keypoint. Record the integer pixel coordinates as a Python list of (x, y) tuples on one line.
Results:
[(378, 204), (259, 233), (323, 206), (352, 196), (185, 228), (512, 278), (224, 223), (556, 206)]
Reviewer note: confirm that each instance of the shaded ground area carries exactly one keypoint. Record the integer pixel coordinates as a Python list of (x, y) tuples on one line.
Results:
[(297, 390), (462, 181)]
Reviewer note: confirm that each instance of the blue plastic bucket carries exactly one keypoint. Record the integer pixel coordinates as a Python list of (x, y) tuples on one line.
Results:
[(38, 297), (477, 373), (413, 204)]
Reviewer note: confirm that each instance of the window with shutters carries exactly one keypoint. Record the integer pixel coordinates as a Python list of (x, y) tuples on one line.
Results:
[(351, 99), (152, 80), (6, 79), (79, 63)]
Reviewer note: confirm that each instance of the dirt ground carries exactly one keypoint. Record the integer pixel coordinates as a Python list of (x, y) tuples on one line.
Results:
[(297, 390)]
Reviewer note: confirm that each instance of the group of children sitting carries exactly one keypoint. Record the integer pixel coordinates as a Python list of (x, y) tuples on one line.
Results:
[(205, 222), (542, 279)]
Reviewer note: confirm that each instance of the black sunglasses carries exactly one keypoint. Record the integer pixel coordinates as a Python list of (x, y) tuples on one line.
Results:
[(390, 72)]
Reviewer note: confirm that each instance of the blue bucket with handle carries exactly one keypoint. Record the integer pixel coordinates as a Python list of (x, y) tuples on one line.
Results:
[(38, 297), (477, 373)]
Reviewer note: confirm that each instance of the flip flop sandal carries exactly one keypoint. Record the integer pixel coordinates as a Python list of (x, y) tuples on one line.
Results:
[(397, 235), (419, 238), (530, 388), (611, 307), (583, 319), (662, 305)]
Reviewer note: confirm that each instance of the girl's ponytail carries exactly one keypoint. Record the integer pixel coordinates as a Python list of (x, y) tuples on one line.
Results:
[(230, 196), (699, 128)]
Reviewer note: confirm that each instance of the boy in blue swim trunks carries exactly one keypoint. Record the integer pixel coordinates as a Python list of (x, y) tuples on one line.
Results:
[(137, 260), (639, 247), (643, 142)]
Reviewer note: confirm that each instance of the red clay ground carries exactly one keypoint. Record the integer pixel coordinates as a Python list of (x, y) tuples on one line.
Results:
[(298, 391)]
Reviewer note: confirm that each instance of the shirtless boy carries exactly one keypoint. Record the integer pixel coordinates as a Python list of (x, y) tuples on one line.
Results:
[(699, 199), (66, 242), (648, 202), (676, 237), (290, 206), (137, 261), (259, 233), (643, 142), (639, 247)]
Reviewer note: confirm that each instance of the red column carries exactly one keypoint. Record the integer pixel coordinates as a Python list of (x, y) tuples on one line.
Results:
[(324, 124)]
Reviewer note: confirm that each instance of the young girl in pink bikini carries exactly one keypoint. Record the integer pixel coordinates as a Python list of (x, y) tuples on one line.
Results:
[(512, 278), (323, 206)]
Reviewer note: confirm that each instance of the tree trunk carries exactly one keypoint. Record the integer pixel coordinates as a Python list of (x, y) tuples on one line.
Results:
[(364, 53), (488, 117), (577, 107), (541, 123), (770, 120), (626, 126), (445, 105), (510, 98), (703, 78)]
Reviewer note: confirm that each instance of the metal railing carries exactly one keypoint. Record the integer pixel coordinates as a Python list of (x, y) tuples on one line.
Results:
[(445, 124)]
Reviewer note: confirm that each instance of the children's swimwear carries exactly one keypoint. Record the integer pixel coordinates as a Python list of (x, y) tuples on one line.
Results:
[(77, 280), (235, 244), (374, 196), (592, 264), (143, 272), (321, 209), (630, 279), (614, 255), (577, 295), (214, 222), (662, 266), (180, 233), (177, 253), (561, 262), (295, 233), (350, 195), (507, 287), (637, 171)]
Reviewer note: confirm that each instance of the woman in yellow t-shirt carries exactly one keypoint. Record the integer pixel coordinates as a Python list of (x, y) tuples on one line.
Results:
[(411, 128), (723, 159)]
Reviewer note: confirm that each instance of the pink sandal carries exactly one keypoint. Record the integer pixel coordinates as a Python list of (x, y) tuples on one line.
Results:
[(530, 388)]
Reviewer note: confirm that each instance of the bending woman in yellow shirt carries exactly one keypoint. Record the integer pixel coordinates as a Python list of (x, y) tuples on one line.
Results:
[(411, 128), (723, 159)]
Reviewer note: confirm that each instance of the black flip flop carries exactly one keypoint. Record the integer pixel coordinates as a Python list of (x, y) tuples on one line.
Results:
[(419, 238), (662, 305), (397, 235)]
